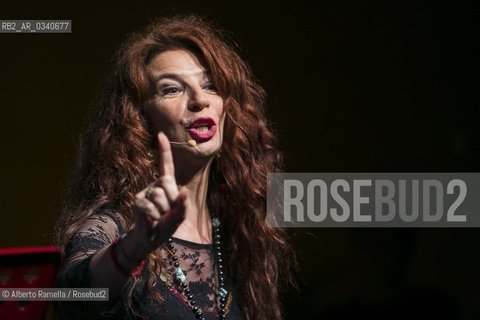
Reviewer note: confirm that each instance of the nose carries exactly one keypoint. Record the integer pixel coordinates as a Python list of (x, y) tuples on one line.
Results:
[(198, 101)]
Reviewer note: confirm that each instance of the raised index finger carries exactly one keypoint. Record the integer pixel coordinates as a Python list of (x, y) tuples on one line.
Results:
[(165, 154)]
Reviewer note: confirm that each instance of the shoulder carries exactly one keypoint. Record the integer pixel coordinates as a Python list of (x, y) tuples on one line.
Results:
[(105, 226)]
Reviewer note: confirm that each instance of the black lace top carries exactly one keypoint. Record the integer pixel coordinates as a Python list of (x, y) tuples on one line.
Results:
[(196, 260)]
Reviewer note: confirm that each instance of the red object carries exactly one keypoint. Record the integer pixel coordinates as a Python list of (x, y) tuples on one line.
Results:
[(27, 267)]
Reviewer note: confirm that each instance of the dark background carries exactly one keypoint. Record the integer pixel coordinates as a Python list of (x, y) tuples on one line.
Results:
[(364, 86)]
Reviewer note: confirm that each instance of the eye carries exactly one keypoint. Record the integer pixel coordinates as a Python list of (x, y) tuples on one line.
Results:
[(170, 90), (209, 86)]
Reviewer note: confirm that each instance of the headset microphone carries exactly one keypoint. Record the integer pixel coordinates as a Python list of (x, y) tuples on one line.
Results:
[(192, 143)]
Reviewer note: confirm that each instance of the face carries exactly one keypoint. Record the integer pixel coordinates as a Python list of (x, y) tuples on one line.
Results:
[(184, 103)]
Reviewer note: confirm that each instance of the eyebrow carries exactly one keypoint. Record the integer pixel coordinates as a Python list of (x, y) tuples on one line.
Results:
[(181, 76)]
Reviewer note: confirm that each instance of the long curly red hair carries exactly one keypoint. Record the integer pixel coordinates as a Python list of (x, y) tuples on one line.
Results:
[(117, 158)]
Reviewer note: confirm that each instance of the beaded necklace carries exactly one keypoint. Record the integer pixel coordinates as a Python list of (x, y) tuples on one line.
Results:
[(180, 277)]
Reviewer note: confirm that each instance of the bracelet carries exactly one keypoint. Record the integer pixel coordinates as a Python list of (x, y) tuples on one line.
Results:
[(135, 272)]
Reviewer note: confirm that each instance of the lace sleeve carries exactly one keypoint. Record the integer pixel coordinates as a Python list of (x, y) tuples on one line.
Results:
[(98, 231)]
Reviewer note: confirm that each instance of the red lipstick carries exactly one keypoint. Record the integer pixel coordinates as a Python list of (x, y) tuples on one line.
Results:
[(202, 129)]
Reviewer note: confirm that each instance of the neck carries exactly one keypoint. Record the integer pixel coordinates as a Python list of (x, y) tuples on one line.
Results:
[(197, 224)]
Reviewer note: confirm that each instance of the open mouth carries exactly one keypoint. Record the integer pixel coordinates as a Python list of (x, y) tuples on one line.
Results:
[(202, 129)]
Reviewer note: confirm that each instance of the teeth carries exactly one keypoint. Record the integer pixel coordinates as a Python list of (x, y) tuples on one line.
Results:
[(202, 128)]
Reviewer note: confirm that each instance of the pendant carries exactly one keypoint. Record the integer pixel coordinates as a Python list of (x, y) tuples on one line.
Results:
[(222, 292), (180, 275)]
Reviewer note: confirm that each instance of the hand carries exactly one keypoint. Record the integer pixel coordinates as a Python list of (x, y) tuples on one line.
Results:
[(160, 208)]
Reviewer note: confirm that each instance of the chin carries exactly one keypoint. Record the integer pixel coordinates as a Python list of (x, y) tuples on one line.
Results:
[(207, 149)]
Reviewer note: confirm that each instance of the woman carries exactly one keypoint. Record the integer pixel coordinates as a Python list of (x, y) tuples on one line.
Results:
[(167, 204)]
